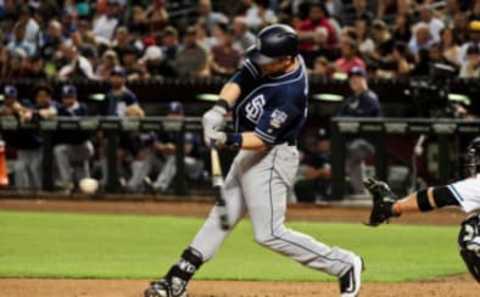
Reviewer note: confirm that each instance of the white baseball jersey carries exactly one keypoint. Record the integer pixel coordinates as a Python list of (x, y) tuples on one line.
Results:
[(467, 192)]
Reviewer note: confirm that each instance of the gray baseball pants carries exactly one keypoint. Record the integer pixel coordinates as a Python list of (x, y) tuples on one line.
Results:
[(258, 183), (28, 169), (67, 155)]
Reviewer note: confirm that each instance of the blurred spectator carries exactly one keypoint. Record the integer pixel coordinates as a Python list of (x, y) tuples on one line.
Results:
[(209, 17), (401, 32), (17, 64), (321, 67), (32, 28), (421, 39), (384, 42), (366, 46), (51, 40), (402, 66), (156, 15), (349, 58), (435, 24), (192, 59), (170, 49), (105, 24), (363, 103), (225, 58), (422, 64), (450, 46), (335, 8), (360, 10), (138, 23), (36, 68), (436, 55), (131, 64), (474, 33), (122, 40), (257, 14), (203, 38), (78, 66), (475, 14), (72, 151), (471, 67), (316, 27), (315, 171), (243, 38), (19, 40), (392, 7), (108, 63)]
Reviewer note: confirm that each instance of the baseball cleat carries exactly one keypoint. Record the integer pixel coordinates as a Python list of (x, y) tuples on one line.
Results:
[(383, 200), (175, 287), (351, 281)]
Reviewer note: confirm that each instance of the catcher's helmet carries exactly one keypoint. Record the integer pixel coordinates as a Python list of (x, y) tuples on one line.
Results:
[(273, 42), (472, 162), (469, 243)]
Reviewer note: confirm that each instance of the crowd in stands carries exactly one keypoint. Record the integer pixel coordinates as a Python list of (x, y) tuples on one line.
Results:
[(87, 39)]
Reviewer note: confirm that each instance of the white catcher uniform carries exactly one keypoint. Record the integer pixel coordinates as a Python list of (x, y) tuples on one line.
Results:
[(467, 193)]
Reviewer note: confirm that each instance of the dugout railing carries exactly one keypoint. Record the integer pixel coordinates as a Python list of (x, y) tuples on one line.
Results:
[(375, 130)]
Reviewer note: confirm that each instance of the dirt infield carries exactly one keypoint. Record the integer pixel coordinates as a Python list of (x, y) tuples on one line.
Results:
[(453, 287), (462, 286)]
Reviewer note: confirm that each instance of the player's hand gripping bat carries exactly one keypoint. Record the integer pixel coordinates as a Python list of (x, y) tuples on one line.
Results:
[(217, 183)]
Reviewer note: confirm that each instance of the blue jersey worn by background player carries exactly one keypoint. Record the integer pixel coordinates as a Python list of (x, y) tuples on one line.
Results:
[(268, 99)]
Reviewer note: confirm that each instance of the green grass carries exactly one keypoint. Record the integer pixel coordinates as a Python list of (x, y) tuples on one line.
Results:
[(124, 246)]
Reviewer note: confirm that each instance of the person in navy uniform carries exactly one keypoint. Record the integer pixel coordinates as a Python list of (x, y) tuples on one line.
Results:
[(121, 102), (315, 171), (72, 151), (161, 158), (268, 99), (362, 103), (26, 143)]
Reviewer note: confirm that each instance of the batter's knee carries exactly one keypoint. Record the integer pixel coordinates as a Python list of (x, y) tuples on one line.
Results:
[(270, 238), (263, 239)]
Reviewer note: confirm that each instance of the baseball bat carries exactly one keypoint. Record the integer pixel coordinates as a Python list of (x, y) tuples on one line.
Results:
[(217, 183)]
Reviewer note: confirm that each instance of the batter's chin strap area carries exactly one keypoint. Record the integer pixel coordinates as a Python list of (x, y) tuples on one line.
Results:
[(469, 243)]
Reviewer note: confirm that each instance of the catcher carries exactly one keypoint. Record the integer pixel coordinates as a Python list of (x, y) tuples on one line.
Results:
[(464, 194)]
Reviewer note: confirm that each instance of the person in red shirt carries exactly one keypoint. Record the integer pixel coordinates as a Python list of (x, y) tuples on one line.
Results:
[(318, 18), (349, 58)]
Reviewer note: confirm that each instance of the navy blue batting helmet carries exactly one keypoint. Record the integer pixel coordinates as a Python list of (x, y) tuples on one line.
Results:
[(273, 42)]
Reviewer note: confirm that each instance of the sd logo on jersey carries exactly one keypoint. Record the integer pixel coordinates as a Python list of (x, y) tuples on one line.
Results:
[(254, 109)]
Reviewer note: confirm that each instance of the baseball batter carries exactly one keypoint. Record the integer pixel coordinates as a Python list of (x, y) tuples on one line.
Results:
[(268, 98), (463, 194)]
